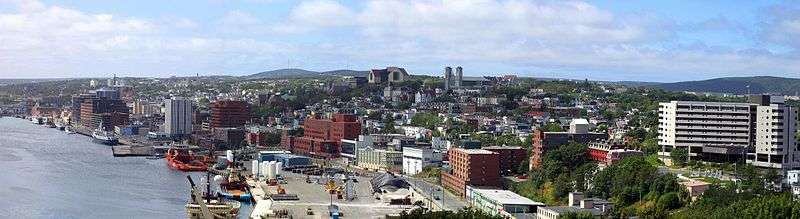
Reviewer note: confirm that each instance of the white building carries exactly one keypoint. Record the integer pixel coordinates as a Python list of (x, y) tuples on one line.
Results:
[(350, 147), (775, 144), (577, 203), (178, 116), (501, 202), (414, 159), (762, 131), (380, 159)]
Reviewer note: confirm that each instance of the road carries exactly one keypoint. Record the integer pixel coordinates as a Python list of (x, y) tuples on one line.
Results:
[(446, 199)]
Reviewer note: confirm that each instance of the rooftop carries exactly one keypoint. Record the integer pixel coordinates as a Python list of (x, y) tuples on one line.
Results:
[(566, 209), (502, 147), (475, 151), (506, 197)]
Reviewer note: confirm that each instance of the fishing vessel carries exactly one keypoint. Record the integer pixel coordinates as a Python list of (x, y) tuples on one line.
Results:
[(204, 206), (104, 137), (183, 159)]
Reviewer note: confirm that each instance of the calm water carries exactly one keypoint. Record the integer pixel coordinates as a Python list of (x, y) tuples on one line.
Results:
[(45, 173)]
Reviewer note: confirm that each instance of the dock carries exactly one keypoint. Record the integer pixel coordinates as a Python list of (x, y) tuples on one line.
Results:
[(132, 151)]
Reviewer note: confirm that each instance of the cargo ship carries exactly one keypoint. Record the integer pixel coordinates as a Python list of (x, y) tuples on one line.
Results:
[(104, 137), (181, 158)]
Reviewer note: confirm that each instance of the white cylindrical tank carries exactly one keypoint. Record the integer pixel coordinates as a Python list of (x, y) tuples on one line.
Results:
[(264, 168), (271, 169), (255, 168), (229, 155), (278, 168)]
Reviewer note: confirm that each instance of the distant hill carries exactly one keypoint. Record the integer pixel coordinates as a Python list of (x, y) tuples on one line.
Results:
[(302, 73), (737, 85)]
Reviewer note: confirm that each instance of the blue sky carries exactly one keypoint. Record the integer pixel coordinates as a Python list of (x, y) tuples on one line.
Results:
[(599, 40)]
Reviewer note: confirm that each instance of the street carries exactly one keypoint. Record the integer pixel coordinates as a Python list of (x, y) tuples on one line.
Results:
[(429, 190)]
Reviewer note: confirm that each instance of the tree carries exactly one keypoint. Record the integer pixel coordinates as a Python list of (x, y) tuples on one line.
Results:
[(650, 146), (577, 215), (551, 127), (669, 201), (427, 120), (679, 156)]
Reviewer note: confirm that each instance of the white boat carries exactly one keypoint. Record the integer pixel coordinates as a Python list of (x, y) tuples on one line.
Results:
[(68, 130), (104, 137)]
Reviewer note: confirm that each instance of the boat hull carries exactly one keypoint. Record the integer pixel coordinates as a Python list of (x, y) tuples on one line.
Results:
[(109, 142)]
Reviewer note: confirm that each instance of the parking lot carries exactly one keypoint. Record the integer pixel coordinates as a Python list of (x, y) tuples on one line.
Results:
[(314, 196)]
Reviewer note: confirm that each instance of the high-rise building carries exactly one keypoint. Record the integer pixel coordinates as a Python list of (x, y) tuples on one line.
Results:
[(178, 117), (229, 114), (761, 131), (448, 78), (77, 101), (104, 108), (459, 77)]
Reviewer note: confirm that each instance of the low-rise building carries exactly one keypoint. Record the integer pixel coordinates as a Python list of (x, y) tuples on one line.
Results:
[(501, 202), (544, 141), (577, 203), (380, 159), (510, 157), (471, 167), (416, 158)]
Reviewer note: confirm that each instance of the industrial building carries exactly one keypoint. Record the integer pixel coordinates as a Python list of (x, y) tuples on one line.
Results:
[(501, 202)]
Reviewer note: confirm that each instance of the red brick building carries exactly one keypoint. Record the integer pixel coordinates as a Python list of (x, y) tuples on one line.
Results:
[(108, 112), (473, 167), (609, 152), (544, 141), (510, 158), (322, 137), (229, 114)]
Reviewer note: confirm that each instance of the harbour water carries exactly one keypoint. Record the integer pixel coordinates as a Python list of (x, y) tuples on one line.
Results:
[(46, 173)]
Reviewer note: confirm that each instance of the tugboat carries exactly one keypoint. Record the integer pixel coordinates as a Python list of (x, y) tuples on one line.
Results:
[(235, 187), (204, 207), (104, 137), (181, 158)]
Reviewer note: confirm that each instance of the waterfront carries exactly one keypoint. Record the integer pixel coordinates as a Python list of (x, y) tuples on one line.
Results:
[(50, 174)]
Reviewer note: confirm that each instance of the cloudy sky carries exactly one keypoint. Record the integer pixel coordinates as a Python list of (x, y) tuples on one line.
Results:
[(602, 40)]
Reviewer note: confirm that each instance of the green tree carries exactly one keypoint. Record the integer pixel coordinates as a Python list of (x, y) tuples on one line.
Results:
[(577, 215), (551, 127), (427, 120), (679, 156)]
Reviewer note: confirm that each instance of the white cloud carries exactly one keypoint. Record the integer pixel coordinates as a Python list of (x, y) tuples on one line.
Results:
[(315, 15)]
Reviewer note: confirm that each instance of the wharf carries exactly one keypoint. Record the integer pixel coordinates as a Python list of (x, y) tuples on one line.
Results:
[(132, 151)]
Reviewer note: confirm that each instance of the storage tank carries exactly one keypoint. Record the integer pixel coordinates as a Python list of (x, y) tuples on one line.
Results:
[(278, 168), (264, 168), (229, 155), (255, 168), (271, 170)]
